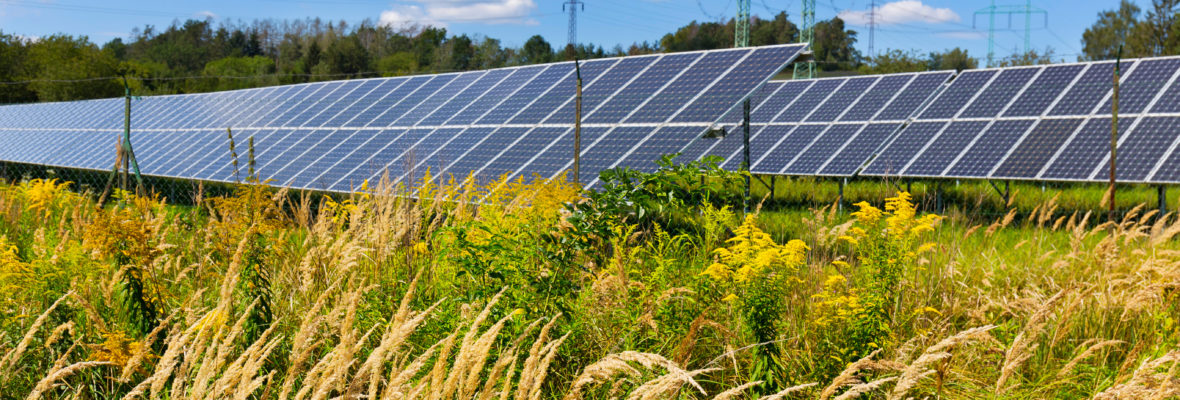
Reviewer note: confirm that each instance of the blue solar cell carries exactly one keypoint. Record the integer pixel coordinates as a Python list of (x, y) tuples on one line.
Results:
[(876, 98), (339, 101), (858, 150), (452, 151), (989, 149), (436, 99), (1142, 148), (951, 101), (1044, 91), (611, 147), (667, 140), (809, 99), (562, 93), (558, 157), (1143, 83), (1085, 151), (465, 97), (774, 103), (596, 93), (530, 93), (265, 108), (736, 84), (945, 148), (999, 93), (821, 150), (908, 143), (400, 156), (514, 159), (483, 152), (351, 168), (501, 91), (777, 158), (393, 96), (915, 94), (840, 101), (632, 97), (424, 156), (1090, 89), (309, 99), (664, 104), (304, 154), (408, 103), (1029, 157), (191, 145), (762, 139)]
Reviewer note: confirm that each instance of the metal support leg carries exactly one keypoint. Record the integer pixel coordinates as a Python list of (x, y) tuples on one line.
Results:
[(840, 196), (938, 197), (908, 189), (1162, 195), (772, 186)]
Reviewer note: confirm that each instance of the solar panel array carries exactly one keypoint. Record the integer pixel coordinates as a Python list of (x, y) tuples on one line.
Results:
[(334, 135), (1047, 122), (822, 127)]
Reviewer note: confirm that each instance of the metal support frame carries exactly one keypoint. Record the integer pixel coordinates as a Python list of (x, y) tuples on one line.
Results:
[(1004, 194), (578, 125)]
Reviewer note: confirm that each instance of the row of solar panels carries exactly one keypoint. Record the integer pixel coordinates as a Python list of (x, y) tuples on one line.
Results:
[(334, 135), (1033, 123)]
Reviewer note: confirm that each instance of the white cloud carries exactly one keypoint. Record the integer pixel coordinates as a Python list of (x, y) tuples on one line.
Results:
[(442, 12), (963, 34), (901, 12), (205, 14)]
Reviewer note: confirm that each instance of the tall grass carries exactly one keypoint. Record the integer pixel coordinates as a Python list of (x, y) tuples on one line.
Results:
[(475, 293)]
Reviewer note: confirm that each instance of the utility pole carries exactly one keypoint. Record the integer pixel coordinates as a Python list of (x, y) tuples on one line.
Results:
[(991, 11), (872, 25), (807, 35), (573, 24), (1114, 130)]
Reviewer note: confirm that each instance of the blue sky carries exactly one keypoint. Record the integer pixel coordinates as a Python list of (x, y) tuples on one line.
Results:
[(923, 25)]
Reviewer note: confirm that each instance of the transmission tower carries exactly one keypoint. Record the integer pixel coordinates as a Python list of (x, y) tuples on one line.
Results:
[(1027, 9), (573, 25), (807, 35), (872, 25), (741, 26)]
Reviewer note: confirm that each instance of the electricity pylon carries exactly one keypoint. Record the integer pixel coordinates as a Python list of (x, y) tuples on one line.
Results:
[(573, 25), (741, 26), (991, 11), (807, 35)]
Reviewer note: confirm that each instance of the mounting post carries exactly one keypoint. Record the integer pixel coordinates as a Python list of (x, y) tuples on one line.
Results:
[(578, 125), (772, 186), (746, 150), (1114, 131), (1161, 194), (840, 195), (938, 197)]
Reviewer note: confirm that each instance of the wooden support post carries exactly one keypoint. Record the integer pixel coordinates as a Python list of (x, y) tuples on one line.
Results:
[(746, 150)]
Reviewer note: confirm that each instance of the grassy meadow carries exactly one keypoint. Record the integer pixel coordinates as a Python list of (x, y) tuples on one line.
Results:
[(654, 286)]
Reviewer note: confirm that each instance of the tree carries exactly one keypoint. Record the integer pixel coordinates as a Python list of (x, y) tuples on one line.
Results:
[(229, 72), (699, 36), (956, 59), (427, 42), (536, 50), (462, 53), (896, 61), (13, 52), (1101, 41), (1032, 57), (347, 56), (61, 57), (400, 63), (774, 31), (833, 47)]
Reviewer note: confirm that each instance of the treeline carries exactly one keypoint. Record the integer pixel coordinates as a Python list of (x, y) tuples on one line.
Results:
[(201, 55)]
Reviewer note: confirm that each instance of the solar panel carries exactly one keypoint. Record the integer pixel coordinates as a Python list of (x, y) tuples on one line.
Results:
[(989, 149), (943, 150), (334, 135), (1029, 157)]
